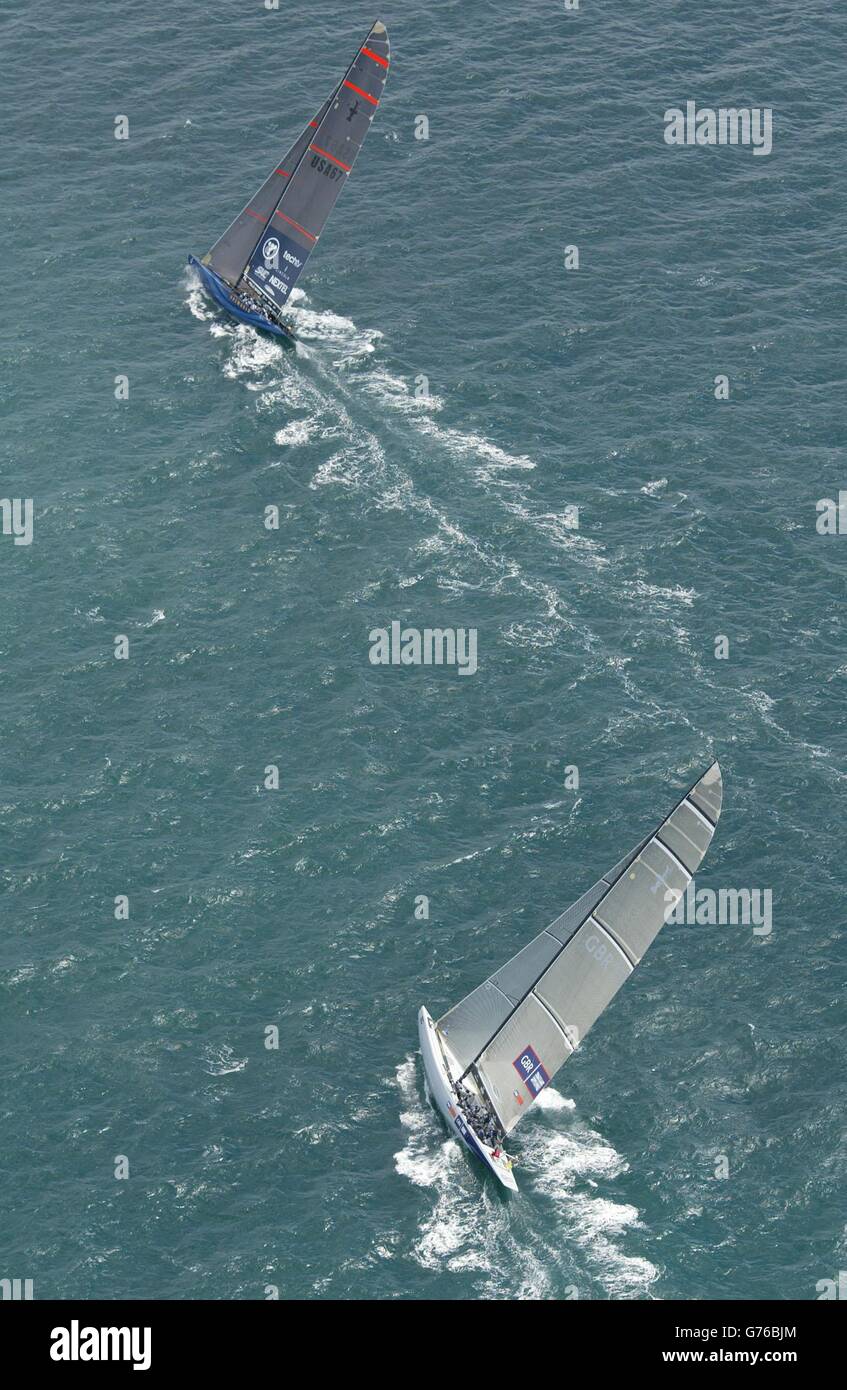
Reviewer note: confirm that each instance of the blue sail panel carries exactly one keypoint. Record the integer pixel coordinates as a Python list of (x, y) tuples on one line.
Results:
[(275, 266)]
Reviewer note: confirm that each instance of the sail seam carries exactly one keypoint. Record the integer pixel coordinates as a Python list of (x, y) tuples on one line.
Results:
[(676, 859), (688, 840), (712, 825), (549, 1011), (612, 934)]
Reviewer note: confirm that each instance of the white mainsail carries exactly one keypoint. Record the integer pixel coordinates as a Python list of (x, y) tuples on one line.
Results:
[(519, 1027)]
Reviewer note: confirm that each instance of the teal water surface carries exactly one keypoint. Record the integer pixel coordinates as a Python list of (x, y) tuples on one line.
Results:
[(317, 1168)]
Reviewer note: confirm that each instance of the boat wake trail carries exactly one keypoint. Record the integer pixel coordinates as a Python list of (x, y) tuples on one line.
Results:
[(564, 1164), (467, 1229), (558, 1240), (327, 391), (386, 445)]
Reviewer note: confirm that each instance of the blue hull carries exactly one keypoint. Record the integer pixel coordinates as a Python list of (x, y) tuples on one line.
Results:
[(220, 292)]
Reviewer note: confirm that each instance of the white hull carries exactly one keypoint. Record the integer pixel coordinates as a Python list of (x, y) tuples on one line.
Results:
[(444, 1098)]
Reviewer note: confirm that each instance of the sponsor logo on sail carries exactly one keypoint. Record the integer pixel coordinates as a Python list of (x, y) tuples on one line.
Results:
[(270, 251), (528, 1065)]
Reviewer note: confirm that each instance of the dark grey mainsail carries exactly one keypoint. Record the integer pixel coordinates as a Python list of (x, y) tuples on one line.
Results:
[(231, 252), (524, 1022), (310, 192)]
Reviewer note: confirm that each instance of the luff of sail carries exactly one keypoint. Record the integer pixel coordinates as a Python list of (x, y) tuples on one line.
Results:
[(520, 1026), (311, 192), (231, 252)]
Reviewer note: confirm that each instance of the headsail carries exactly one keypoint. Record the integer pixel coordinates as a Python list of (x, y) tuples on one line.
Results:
[(524, 1022), (231, 252), (311, 191)]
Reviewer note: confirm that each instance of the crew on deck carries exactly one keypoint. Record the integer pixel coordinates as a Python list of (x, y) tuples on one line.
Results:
[(251, 305), (248, 303), (481, 1119)]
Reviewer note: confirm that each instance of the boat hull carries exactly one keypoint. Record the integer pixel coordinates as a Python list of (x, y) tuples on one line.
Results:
[(220, 292), (444, 1099)]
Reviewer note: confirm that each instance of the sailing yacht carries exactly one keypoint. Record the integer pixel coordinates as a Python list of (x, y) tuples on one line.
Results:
[(488, 1057), (252, 269)]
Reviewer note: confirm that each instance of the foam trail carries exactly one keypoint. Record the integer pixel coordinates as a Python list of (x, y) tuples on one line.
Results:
[(565, 1164), (468, 1229), (336, 362)]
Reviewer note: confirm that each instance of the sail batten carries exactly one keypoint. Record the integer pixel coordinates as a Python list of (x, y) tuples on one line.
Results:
[(518, 1027), (673, 856)]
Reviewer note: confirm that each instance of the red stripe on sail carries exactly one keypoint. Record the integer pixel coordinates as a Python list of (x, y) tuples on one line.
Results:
[(292, 223), (258, 217), (383, 62), (353, 88), (283, 171), (327, 155)]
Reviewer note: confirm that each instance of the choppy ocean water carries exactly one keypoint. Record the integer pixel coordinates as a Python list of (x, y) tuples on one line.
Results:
[(318, 1168)]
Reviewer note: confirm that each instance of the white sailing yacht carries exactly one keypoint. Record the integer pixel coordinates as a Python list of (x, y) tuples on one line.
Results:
[(488, 1057)]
